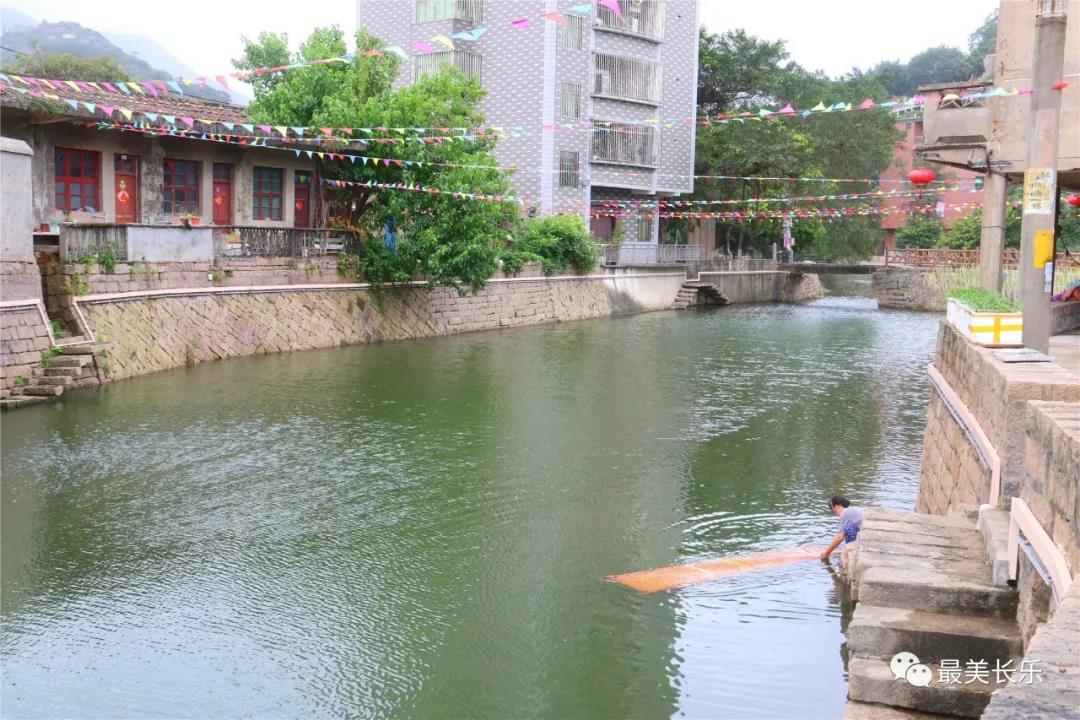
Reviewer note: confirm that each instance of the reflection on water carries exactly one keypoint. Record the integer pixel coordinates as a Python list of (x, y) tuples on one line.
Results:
[(419, 529)]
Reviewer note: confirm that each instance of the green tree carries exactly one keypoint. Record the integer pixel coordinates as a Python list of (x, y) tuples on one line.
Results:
[(447, 240), (983, 42), (68, 67), (920, 231)]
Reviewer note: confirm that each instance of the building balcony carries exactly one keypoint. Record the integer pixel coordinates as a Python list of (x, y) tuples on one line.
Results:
[(956, 128), (640, 18)]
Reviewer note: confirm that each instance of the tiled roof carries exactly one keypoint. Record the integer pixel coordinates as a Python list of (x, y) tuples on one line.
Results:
[(173, 104)]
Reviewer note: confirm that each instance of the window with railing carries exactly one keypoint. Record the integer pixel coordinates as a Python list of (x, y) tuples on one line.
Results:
[(626, 78), (569, 168), (467, 63), (640, 17), (570, 99), (433, 10), (573, 33), (623, 143)]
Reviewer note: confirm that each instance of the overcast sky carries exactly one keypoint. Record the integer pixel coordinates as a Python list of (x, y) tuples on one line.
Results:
[(830, 35)]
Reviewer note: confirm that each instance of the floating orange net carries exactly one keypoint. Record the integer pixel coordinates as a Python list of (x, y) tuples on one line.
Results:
[(673, 576)]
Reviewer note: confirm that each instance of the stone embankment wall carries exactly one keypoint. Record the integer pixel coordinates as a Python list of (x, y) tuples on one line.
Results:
[(764, 286), (997, 394), (157, 331), (23, 335), (906, 289), (1051, 473)]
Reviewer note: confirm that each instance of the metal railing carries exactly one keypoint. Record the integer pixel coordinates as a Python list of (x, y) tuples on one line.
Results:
[(946, 257), (632, 253), (624, 143), (249, 241), (1022, 520), (640, 17), (467, 63), (434, 10), (626, 78)]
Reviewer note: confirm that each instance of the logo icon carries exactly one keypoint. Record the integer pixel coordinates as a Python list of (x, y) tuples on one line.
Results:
[(906, 666)]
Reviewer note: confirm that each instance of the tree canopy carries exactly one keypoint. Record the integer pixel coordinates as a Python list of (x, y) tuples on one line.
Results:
[(741, 73), (68, 67), (447, 240)]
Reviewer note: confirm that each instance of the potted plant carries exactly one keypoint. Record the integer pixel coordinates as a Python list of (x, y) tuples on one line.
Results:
[(986, 318), (188, 219)]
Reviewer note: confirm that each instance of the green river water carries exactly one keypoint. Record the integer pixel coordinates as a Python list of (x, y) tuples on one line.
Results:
[(420, 529)]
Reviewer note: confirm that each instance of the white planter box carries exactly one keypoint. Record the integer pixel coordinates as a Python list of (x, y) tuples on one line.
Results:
[(992, 329)]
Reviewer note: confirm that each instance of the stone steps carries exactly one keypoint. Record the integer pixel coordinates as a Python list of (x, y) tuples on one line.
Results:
[(932, 591), (71, 361), (43, 390), (13, 402), (994, 526), (931, 636), (871, 680)]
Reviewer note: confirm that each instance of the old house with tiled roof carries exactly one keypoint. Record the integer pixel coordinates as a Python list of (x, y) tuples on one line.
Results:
[(93, 170)]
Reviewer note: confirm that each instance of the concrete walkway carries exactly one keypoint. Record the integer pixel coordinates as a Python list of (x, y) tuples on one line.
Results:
[(1065, 349)]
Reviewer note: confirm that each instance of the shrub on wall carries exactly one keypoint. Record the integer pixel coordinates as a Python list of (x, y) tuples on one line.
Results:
[(560, 242), (919, 232)]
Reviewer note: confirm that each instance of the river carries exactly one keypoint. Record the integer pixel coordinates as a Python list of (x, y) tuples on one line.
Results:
[(420, 529)]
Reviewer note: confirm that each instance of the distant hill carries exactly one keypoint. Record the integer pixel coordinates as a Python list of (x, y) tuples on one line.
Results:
[(144, 58)]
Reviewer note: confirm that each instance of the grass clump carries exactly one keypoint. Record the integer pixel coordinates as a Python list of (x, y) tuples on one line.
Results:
[(983, 300)]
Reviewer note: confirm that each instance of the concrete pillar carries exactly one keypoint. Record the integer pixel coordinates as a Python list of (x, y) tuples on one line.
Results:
[(992, 238), (1040, 178), (19, 275)]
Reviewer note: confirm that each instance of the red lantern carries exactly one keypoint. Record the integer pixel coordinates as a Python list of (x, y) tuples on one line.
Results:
[(1073, 200), (921, 176)]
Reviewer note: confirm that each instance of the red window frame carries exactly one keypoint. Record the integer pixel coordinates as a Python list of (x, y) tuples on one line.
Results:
[(180, 186), (267, 193), (70, 167)]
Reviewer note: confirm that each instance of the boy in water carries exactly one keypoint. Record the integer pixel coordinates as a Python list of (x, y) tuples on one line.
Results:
[(850, 523)]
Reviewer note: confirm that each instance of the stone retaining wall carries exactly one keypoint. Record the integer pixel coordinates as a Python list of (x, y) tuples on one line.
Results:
[(1051, 473), (23, 335), (907, 289), (158, 332), (764, 286), (962, 477), (997, 394)]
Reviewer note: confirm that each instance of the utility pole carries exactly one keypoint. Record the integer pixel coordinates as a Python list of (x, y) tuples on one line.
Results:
[(1040, 178), (992, 238)]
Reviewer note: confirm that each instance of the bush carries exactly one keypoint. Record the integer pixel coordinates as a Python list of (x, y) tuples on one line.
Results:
[(560, 242), (919, 232), (513, 260), (983, 300)]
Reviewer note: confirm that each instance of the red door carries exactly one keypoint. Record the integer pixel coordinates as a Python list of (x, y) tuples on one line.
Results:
[(302, 200), (222, 194), (126, 171)]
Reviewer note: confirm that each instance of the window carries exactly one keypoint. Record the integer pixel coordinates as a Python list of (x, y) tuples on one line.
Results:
[(467, 63), (569, 169), (644, 228), (640, 17), (573, 33), (267, 186), (570, 99), (626, 78), (622, 143), (77, 179), (433, 10), (180, 187)]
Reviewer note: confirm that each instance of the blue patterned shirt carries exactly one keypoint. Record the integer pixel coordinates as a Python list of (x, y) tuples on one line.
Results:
[(851, 523)]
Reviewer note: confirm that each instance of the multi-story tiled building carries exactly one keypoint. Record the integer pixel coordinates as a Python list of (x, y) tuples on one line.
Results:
[(596, 105)]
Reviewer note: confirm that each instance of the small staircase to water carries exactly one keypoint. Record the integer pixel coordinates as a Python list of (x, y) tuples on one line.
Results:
[(933, 586), (696, 292), (68, 366)]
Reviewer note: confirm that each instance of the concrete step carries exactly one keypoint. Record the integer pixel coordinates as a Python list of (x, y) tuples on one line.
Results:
[(84, 349), (855, 710), (71, 372), (680, 306), (871, 680), (55, 380), (935, 591), (886, 631), (44, 390), (14, 402), (71, 361), (994, 526)]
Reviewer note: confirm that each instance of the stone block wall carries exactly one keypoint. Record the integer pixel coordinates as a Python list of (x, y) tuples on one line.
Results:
[(962, 478), (160, 332), (1052, 473), (907, 289), (23, 335), (997, 394)]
